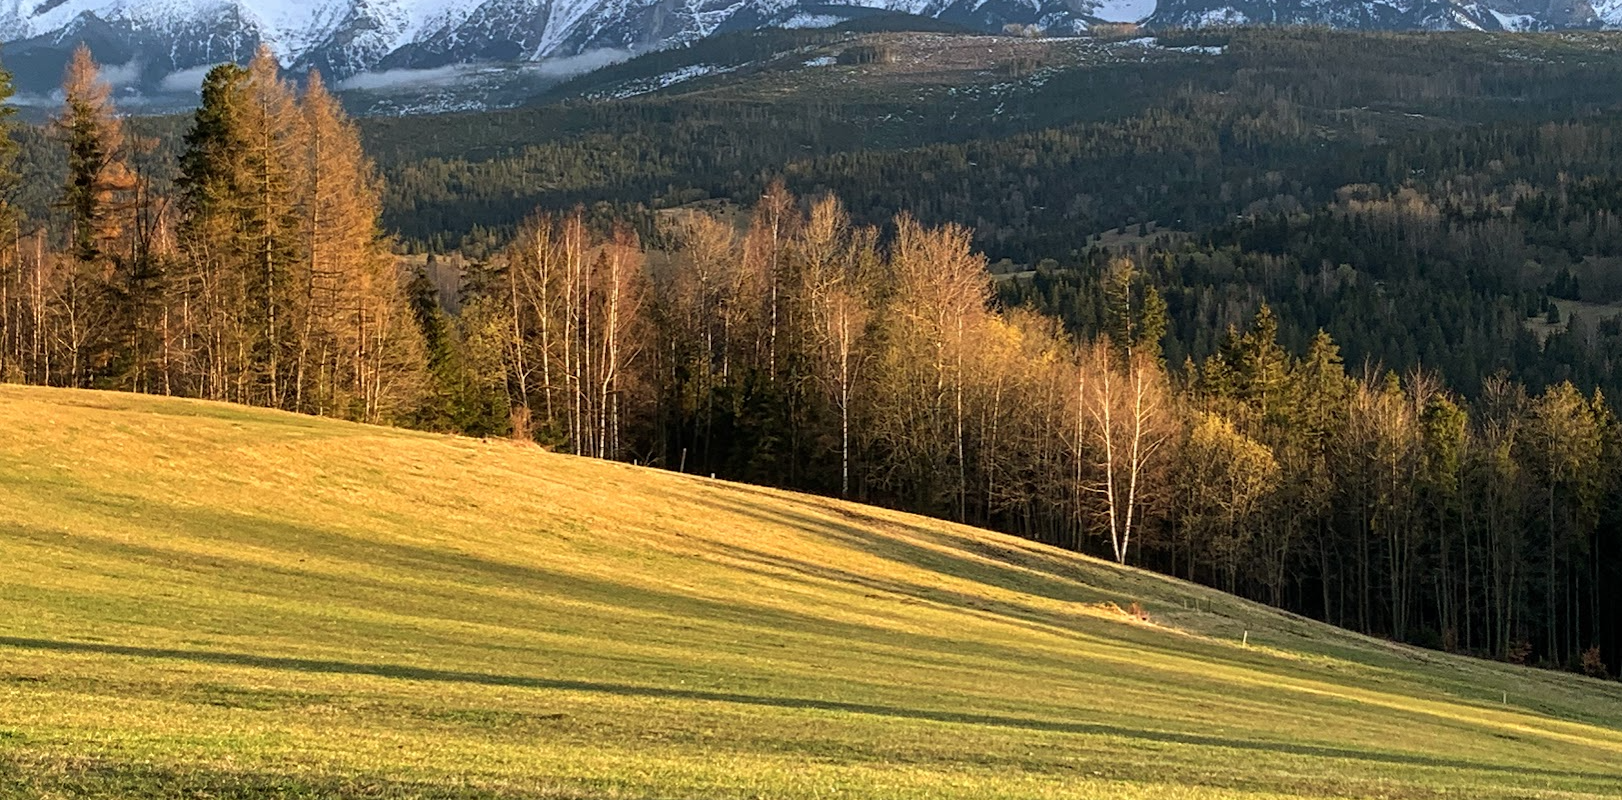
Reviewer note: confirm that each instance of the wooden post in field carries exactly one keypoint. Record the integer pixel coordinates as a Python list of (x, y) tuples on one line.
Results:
[(1247, 639)]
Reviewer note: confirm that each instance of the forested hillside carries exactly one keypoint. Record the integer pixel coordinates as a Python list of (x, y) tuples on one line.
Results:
[(1039, 144), (1322, 319)]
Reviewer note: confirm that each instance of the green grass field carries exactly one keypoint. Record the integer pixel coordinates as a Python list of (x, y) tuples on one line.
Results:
[(205, 601)]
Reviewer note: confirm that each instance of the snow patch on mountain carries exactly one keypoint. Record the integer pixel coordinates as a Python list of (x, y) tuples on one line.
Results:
[(811, 21), (1515, 22), (1223, 16), (1123, 10), (1608, 11), (668, 79)]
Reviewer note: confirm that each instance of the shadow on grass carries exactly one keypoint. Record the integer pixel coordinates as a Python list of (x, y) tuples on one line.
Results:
[(866, 534), (1013, 565), (414, 673), (449, 582), (1024, 571), (963, 562)]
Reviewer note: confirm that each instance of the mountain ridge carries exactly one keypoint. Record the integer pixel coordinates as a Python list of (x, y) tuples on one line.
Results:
[(163, 45)]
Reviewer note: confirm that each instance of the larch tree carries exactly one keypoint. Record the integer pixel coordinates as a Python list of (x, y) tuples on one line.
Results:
[(100, 304), (347, 309), (270, 227), (289, 292)]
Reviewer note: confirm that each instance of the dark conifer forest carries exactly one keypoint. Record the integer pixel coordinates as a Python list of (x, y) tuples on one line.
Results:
[(1328, 320)]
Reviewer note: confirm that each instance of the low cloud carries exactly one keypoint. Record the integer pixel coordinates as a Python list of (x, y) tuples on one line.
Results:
[(121, 75), (575, 65), (32, 100), (457, 73), (117, 76), (408, 78), (186, 80)]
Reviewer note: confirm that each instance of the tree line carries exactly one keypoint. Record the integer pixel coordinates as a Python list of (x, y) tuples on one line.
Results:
[(795, 345)]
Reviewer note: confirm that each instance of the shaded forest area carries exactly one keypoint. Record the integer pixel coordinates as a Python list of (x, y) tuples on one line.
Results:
[(1341, 369)]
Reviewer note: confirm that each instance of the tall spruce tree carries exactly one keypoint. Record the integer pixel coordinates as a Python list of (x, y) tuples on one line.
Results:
[(213, 190)]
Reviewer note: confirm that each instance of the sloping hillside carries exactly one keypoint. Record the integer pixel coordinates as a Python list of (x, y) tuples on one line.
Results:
[(202, 600)]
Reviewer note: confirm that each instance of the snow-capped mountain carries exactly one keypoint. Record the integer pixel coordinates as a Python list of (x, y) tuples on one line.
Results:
[(168, 43)]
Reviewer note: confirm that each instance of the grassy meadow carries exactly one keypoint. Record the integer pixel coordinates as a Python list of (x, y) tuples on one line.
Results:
[(205, 601)]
